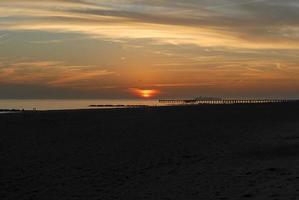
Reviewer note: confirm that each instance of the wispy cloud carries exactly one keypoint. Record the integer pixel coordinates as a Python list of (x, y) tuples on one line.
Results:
[(3, 36), (46, 42), (233, 4), (50, 73), (200, 25)]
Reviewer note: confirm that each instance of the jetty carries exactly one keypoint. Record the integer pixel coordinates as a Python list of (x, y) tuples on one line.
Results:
[(207, 100)]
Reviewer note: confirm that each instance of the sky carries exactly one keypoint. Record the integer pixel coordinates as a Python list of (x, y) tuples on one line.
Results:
[(151, 49)]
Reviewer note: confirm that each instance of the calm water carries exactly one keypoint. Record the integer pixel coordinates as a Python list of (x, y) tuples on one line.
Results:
[(58, 104)]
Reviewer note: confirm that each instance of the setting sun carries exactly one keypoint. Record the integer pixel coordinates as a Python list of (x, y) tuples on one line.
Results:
[(145, 93)]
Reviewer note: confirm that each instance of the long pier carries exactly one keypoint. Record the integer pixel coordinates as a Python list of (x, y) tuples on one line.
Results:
[(225, 101)]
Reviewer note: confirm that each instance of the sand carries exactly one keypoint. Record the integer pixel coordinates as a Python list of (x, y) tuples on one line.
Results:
[(201, 152)]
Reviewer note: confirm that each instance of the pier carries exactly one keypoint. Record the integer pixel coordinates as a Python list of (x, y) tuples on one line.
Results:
[(224, 101)]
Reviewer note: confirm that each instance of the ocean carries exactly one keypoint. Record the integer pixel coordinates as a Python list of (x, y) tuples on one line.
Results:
[(65, 104)]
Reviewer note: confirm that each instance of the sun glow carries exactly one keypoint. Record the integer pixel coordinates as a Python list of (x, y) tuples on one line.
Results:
[(145, 93)]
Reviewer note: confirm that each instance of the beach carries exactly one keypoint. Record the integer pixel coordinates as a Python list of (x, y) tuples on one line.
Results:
[(223, 152)]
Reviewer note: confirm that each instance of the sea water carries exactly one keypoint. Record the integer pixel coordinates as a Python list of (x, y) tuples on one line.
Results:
[(64, 104)]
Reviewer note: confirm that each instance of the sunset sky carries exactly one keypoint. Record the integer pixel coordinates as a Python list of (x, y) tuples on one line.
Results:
[(167, 48)]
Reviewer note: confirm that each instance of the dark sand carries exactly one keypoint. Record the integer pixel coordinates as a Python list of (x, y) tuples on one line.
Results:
[(205, 152)]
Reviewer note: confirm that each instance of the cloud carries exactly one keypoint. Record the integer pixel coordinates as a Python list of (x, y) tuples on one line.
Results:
[(3, 36), (72, 77), (51, 73), (46, 42), (233, 4), (229, 23)]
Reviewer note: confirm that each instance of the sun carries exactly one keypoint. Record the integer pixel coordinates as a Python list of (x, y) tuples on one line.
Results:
[(145, 93)]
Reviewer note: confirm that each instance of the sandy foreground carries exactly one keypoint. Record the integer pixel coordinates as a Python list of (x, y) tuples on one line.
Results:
[(203, 152)]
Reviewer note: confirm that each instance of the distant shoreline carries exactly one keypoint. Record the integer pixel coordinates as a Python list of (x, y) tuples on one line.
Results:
[(115, 106), (10, 110)]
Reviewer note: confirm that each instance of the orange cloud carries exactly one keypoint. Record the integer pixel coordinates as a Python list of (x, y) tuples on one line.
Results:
[(51, 73)]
